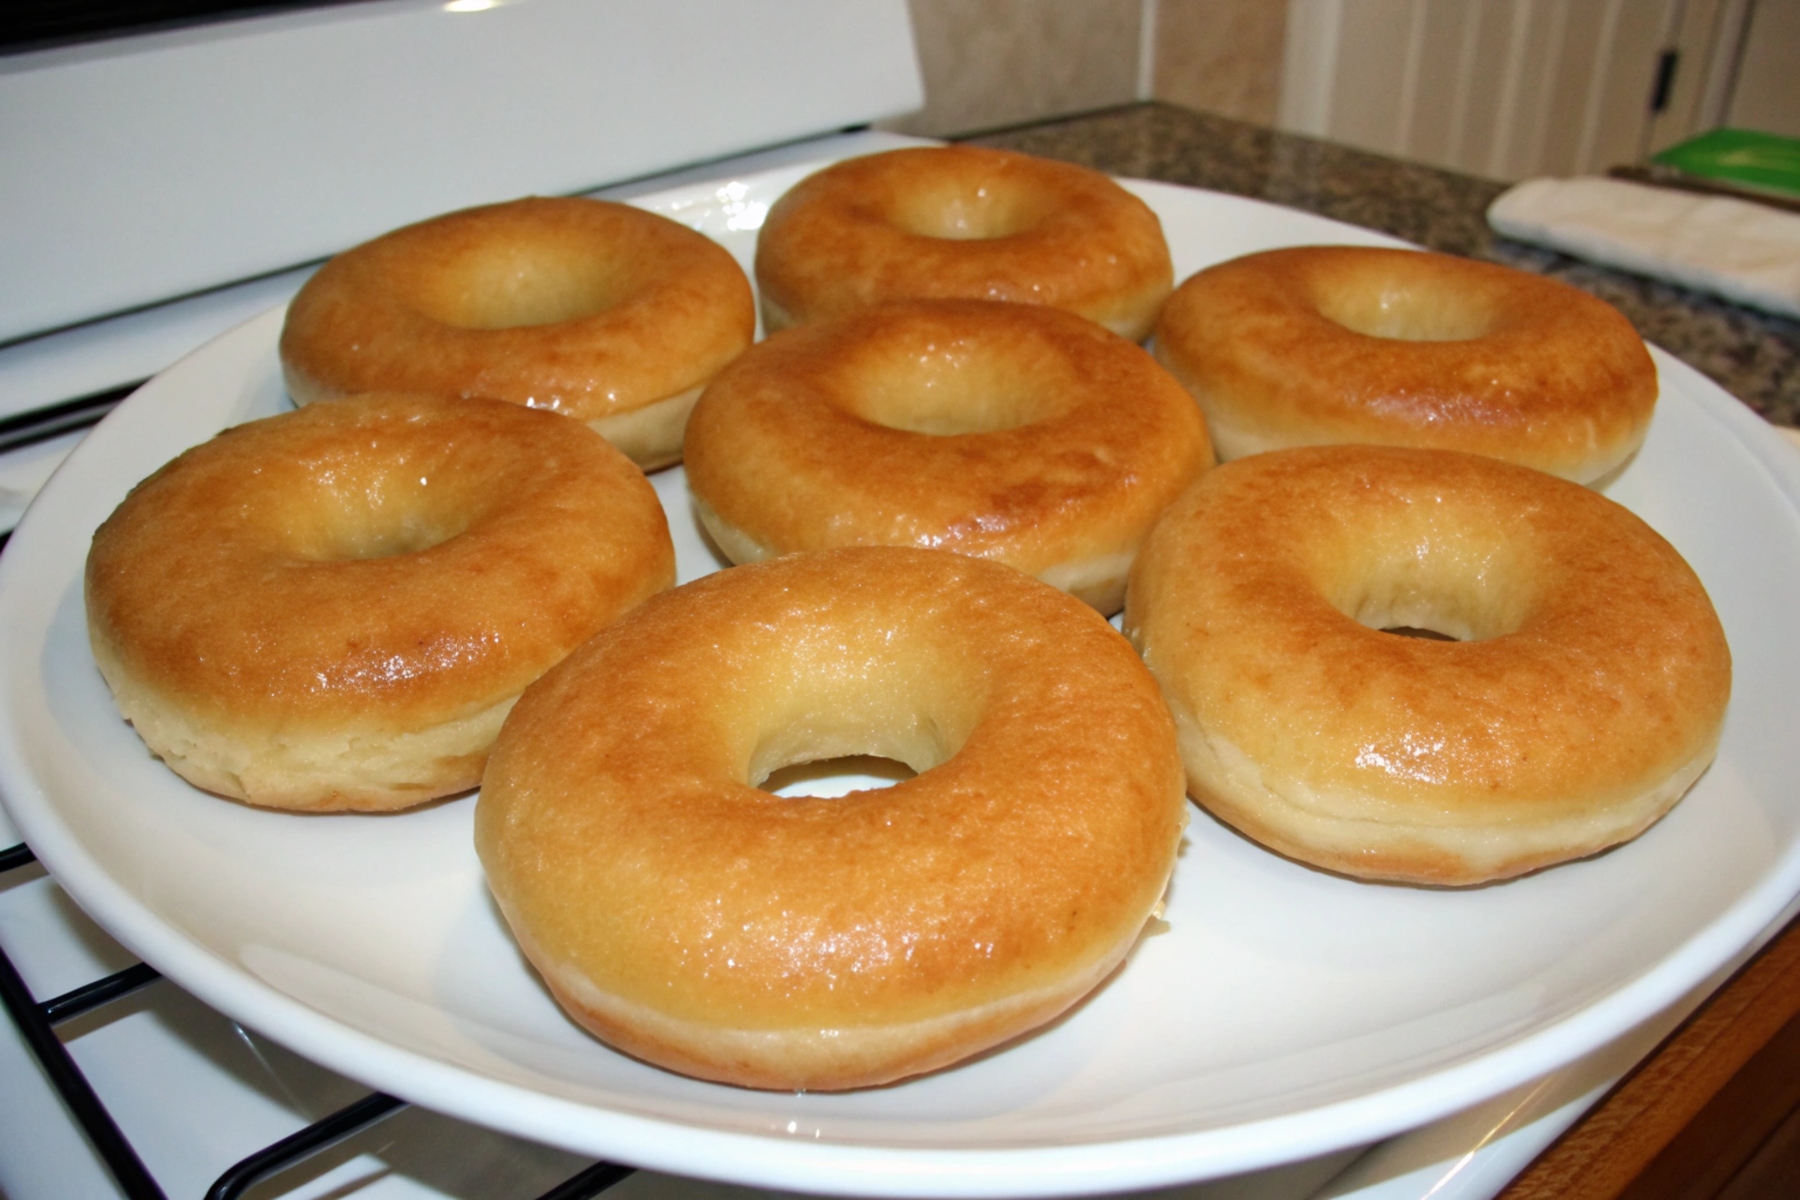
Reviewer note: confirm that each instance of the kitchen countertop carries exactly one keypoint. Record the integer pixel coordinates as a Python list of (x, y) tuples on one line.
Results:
[(1754, 356)]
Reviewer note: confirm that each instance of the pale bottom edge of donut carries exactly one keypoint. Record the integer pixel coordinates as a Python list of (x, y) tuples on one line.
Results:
[(1594, 470), (308, 770), (1233, 439), (1134, 325), (808, 1058), (1097, 581), (1294, 821), (649, 436)]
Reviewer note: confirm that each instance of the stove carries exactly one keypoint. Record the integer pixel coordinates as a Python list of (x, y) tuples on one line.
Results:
[(140, 240)]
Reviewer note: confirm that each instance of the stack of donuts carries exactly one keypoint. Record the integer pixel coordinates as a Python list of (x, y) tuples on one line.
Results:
[(947, 463)]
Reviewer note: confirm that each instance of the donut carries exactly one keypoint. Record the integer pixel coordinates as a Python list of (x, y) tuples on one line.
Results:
[(334, 609), (1583, 693), (692, 920), (1003, 431), (605, 312), (962, 222), (1323, 344)]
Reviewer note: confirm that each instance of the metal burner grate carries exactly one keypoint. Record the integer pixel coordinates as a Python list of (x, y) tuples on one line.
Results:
[(37, 1021)]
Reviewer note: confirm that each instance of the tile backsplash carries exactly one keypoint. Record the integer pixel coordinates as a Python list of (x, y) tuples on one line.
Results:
[(1220, 56), (993, 63)]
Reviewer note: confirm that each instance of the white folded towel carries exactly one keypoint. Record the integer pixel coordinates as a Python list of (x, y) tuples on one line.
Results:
[(1746, 252)]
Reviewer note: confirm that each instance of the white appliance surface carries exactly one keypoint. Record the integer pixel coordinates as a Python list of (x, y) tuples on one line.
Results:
[(236, 1090), (253, 145)]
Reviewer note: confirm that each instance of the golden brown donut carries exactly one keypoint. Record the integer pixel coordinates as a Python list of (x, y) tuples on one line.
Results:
[(1005, 431), (608, 313), (1583, 697), (690, 919), (962, 221), (335, 608), (1323, 344)]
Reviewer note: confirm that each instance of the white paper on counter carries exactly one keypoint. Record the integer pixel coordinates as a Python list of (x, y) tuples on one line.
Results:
[(1747, 253)]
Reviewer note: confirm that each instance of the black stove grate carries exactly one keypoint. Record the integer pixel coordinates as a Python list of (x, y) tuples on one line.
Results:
[(41, 424), (37, 1021)]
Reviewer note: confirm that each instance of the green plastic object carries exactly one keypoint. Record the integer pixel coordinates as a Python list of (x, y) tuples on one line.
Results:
[(1761, 161)]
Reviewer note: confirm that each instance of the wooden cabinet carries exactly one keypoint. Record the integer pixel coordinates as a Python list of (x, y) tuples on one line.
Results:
[(1713, 1113)]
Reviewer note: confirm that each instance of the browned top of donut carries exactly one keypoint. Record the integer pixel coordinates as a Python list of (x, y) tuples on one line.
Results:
[(1592, 664), (999, 430), (963, 221), (583, 306), (396, 560), (1358, 344)]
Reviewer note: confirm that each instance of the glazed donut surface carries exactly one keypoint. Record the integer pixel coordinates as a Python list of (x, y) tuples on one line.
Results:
[(1585, 695), (334, 608), (1004, 431), (692, 920), (962, 222), (1326, 344), (607, 313)]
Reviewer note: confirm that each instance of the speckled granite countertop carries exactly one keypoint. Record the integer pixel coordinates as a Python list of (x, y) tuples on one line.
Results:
[(1753, 356)]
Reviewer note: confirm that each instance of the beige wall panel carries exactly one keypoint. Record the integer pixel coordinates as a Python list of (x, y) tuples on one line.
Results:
[(991, 63), (1503, 88), (1220, 56), (1707, 40), (1366, 93), (1573, 90), (1486, 81), (1444, 55), (1767, 95), (1622, 130), (1534, 56)]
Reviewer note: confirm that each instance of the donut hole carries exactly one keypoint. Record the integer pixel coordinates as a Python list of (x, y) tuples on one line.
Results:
[(877, 707), (968, 210), (1429, 588), (1448, 614), (1406, 311), (943, 393), (515, 286), (378, 521), (831, 777), (388, 538), (820, 749)]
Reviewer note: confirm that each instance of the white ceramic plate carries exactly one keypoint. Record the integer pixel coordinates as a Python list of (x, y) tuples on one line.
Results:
[(1283, 1014)]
